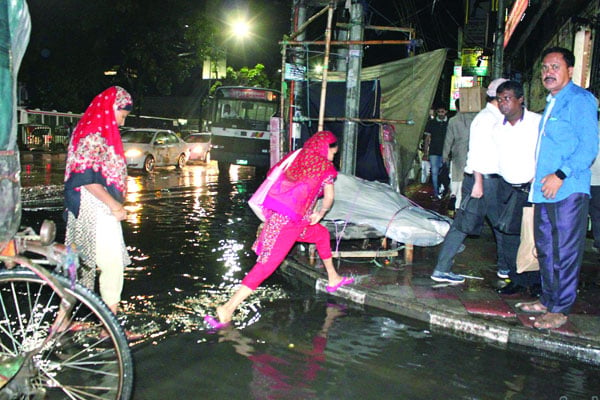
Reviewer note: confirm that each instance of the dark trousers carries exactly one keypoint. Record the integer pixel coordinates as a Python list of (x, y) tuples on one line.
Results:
[(511, 201), (476, 210), (560, 230)]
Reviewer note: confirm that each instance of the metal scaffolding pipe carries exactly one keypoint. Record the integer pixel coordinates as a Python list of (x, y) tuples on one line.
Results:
[(345, 42)]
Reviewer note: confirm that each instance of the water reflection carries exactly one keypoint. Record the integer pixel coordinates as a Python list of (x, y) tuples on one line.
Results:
[(190, 235), (304, 347), (274, 376)]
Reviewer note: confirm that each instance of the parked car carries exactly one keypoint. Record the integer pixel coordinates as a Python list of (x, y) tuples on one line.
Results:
[(199, 146), (149, 148)]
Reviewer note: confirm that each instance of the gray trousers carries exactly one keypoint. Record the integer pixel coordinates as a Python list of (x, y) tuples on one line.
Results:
[(486, 207)]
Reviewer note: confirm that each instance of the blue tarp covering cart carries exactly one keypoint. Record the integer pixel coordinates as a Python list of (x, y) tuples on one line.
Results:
[(15, 26)]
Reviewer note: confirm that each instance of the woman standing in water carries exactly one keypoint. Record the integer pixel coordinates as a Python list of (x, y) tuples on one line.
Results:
[(95, 186), (291, 217)]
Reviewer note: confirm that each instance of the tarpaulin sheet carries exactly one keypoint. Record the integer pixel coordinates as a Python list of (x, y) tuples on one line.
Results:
[(15, 26), (377, 206), (408, 88)]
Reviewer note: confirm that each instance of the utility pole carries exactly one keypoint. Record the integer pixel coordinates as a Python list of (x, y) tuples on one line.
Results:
[(355, 55), (298, 100), (342, 35), (499, 42)]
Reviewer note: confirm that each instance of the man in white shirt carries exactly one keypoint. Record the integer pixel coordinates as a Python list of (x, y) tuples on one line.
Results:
[(479, 191), (228, 112), (516, 139)]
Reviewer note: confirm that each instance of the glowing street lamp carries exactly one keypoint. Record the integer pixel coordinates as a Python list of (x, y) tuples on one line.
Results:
[(240, 29)]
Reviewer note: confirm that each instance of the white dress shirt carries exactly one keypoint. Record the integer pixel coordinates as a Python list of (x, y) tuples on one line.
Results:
[(483, 154), (516, 147)]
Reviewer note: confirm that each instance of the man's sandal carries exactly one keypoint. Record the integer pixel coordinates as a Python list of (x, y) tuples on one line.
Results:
[(550, 321), (534, 307)]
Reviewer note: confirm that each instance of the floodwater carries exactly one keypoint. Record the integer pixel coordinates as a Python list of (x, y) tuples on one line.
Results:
[(190, 234)]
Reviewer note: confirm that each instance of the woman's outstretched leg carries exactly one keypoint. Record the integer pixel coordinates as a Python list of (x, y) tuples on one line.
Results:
[(319, 235), (261, 270), (332, 275), (225, 312)]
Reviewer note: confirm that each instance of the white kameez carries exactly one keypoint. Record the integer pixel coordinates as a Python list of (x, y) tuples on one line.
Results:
[(98, 237)]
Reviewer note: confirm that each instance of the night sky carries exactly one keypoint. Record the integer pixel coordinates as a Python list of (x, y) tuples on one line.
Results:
[(73, 42)]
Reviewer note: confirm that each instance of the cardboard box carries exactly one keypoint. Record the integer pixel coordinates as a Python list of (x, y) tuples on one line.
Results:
[(472, 99)]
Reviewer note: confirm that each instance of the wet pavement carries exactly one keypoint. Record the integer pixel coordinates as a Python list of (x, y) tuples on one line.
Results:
[(472, 309), (189, 233)]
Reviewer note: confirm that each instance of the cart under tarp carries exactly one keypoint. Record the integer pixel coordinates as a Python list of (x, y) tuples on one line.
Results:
[(366, 209)]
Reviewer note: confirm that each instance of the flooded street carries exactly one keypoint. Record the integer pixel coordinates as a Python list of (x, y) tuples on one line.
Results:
[(190, 234)]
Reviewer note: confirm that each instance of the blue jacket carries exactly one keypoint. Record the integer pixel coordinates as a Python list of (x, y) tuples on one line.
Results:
[(569, 142)]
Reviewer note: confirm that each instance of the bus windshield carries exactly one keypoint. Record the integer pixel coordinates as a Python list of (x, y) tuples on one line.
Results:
[(245, 108), (240, 126)]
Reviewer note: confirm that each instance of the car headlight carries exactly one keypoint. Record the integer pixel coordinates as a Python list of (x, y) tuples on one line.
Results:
[(133, 153)]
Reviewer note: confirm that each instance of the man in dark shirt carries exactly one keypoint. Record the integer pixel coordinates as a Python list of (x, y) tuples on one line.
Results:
[(436, 132)]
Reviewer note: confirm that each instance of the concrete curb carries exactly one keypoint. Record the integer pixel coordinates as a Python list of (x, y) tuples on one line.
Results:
[(465, 326)]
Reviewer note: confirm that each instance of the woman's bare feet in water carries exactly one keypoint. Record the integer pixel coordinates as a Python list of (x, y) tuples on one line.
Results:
[(225, 311), (344, 280), (223, 315), (335, 280)]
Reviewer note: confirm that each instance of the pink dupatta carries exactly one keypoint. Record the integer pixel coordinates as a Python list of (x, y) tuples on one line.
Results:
[(296, 191)]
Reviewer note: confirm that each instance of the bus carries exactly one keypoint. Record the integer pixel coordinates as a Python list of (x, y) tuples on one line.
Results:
[(239, 125)]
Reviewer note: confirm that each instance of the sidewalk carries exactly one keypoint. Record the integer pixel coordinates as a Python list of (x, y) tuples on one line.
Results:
[(472, 309)]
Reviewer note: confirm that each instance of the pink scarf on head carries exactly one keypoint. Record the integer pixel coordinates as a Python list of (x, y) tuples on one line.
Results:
[(296, 191)]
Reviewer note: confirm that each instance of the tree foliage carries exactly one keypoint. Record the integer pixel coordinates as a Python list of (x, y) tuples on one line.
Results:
[(245, 76), (150, 46)]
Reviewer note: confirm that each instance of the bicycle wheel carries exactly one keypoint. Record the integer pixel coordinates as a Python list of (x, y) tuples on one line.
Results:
[(87, 357)]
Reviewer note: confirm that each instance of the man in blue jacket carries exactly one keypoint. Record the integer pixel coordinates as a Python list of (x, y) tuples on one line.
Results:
[(567, 146)]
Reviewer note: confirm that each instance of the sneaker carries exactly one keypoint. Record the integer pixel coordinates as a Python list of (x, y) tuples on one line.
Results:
[(449, 277), (503, 273)]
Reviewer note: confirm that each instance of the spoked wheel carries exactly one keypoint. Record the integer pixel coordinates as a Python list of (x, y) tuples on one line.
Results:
[(86, 358)]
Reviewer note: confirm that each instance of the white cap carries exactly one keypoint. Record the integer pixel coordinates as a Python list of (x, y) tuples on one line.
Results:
[(493, 86)]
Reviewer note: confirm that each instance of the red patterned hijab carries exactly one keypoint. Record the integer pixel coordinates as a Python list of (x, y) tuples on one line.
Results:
[(295, 193), (96, 151), (312, 162)]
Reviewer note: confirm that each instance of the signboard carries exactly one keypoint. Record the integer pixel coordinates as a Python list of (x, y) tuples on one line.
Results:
[(295, 72), (214, 69), (474, 62), (516, 13), (248, 94)]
